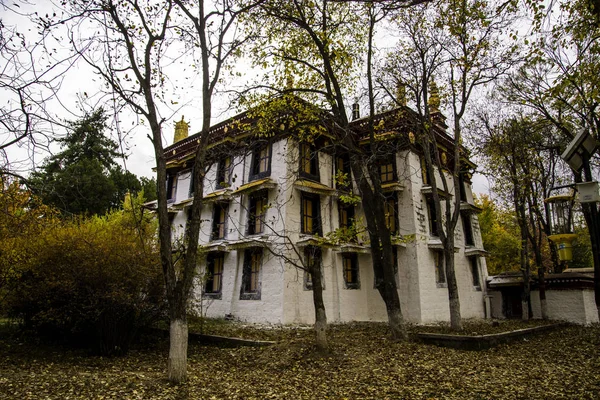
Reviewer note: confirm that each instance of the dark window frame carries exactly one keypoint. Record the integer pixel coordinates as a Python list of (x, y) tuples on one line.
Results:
[(253, 205), (475, 274), (350, 267), (224, 172), (393, 197), (432, 216), (308, 154), (213, 259), (388, 175), (171, 187), (255, 170), (251, 274), (315, 217), (218, 225), (467, 229), (345, 169)]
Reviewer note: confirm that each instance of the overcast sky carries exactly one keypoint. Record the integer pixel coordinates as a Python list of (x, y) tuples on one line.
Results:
[(81, 83)]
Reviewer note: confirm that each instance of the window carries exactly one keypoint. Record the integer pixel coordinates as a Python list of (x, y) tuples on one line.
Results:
[(440, 271), (219, 228), (475, 272), (214, 274), (467, 229), (310, 209), (309, 162), (261, 162), (390, 208), (433, 227), (312, 261), (346, 216), (256, 213), (343, 176), (224, 173), (387, 172), (350, 268), (251, 274), (171, 187)]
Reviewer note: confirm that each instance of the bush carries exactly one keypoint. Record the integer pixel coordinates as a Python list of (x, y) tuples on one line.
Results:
[(94, 282)]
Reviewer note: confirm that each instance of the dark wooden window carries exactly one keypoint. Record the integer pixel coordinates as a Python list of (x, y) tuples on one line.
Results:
[(440, 271), (214, 274), (261, 162), (391, 214), (387, 170), (309, 162), (350, 268), (224, 173), (343, 175), (251, 274), (474, 262), (310, 214), (256, 212), (219, 228), (312, 261), (433, 227), (171, 187), (467, 229)]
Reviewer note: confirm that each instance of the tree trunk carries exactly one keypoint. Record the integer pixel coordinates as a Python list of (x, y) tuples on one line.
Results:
[(542, 290), (453, 297), (395, 318), (320, 315), (177, 363)]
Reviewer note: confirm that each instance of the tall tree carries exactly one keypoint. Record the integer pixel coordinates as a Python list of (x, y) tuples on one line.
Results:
[(461, 43), (137, 38), (316, 50), (84, 178)]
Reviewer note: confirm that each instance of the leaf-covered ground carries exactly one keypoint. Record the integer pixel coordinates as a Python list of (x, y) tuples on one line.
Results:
[(364, 364)]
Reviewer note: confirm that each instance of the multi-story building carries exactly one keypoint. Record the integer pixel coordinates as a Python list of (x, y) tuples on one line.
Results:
[(270, 201)]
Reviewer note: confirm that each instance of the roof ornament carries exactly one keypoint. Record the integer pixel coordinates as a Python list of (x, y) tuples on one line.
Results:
[(182, 129)]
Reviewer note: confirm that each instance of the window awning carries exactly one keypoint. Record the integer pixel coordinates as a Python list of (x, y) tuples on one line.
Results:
[(314, 187), (220, 246), (435, 243), (183, 204), (472, 251), (392, 187), (309, 240), (248, 243), (219, 195), (266, 183), (470, 208), (352, 248), (429, 190)]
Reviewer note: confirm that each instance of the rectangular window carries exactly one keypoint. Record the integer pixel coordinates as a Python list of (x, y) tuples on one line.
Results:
[(391, 214), (467, 229), (224, 173), (256, 213), (261, 163), (440, 271), (312, 261), (214, 274), (219, 228), (387, 172), (433, 226), (251, 274), (473, 260), (350, 268), (310, 210), (343, 176), (171, 187), (346, 216), (309, 162)]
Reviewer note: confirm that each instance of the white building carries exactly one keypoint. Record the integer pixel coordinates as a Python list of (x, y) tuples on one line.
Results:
[(268, 201)]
